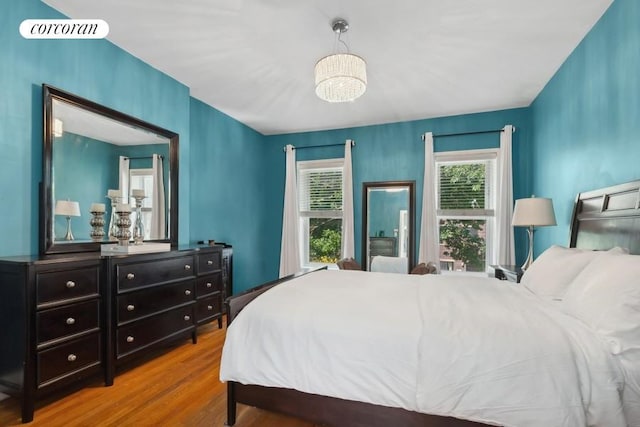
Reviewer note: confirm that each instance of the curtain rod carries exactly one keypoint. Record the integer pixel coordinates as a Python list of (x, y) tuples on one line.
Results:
[(444, 135), (353, 144)]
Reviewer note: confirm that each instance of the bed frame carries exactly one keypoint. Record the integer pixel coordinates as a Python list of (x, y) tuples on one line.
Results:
[(601, 219)]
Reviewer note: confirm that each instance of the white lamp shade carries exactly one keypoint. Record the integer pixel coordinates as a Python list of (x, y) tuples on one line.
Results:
[(67, 208), (535, 211), (341, 77)]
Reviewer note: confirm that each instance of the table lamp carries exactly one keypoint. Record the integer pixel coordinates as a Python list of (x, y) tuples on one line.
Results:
[(68, 209), (530, 213)]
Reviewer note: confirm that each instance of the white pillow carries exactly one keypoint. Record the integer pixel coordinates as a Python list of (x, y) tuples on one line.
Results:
[(606, 296), (553, 271)]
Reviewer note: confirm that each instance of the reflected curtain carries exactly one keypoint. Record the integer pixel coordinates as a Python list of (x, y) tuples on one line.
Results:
[(290, 245), (348, 236), (123, 177), (504, 203), (429, 250), (158, 216)]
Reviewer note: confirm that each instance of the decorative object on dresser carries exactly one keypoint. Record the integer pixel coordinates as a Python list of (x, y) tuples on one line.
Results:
[(67, 209), (97, 221), (52, 312), (115, 196), (138, 227), (530, 213)]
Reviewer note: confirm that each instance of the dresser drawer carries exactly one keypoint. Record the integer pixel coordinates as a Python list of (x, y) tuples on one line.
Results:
[(141, 274), (69, 320), (208, 284), (146, 332), (66, 284), (209, 262), (152, 300), (67, 359), (209, 307)]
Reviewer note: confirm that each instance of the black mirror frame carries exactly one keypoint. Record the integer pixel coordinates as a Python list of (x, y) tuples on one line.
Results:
[(412, 217), (47, 241)]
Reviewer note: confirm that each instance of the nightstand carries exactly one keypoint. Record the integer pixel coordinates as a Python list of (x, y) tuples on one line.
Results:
[(512, 273)]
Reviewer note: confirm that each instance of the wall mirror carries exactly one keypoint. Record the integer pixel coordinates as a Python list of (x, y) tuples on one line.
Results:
[(388, 210), (89, 150)]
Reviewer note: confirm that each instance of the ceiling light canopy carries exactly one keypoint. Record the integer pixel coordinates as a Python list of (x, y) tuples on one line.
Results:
[(340, 77)]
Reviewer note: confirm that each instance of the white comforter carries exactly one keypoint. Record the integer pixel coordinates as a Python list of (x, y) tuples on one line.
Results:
[(472, 348)]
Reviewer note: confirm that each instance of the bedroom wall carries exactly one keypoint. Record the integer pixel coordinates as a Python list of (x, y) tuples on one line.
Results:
[(228, 195), (586, 123), (93, 69), (395, 152)]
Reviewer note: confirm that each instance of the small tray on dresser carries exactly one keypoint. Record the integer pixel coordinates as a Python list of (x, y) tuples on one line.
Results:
[(145, 248)]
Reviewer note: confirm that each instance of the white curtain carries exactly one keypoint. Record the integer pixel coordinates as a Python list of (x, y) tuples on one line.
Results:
[(347, 205), (123, 176), (290, 245), (504, 205), (429, 250), (158, 220)]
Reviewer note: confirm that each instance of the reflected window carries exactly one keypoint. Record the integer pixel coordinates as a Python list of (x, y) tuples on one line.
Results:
[(320, 211), (466, 198), (142, 179)]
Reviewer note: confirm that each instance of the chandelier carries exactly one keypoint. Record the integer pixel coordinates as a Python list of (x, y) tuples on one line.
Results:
[(340, 77)]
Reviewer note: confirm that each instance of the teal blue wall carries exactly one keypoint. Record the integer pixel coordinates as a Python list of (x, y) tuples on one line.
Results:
[(586, 121), (393, 152), (232, 178), (93, 69), (229, 194)]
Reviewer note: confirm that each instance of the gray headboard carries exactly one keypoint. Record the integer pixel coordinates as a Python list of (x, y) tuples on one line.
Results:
[(607, 217)]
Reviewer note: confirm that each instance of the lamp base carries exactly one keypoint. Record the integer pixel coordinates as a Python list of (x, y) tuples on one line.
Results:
[(529, 259), (69, 235)]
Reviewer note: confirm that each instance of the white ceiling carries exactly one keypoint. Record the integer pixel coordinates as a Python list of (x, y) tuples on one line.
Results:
[(254, 59)]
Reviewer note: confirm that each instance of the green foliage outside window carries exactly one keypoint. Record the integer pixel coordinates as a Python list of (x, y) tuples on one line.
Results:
[(462, 186), (325, 239)]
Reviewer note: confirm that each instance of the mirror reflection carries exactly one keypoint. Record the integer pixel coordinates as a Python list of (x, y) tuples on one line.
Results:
[(388, 226), (96, 159), (93, 154)]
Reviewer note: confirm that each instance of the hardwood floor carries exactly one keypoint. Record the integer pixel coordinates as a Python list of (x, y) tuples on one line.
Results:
[(180, 387)]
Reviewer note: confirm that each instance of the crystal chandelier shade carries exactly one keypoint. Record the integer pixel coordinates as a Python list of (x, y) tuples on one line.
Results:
[(341, 77)]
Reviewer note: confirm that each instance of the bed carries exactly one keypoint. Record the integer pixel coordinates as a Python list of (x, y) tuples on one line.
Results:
[(351, 348)]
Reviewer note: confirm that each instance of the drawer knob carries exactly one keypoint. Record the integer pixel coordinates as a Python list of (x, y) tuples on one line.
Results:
[(209, 307), (210, 262), (71, 321), (71, 284), (187, 267), (187, 292), (209, 284), (131, 307), (72, 357), (129, 338), (131, 276), (187, 317)]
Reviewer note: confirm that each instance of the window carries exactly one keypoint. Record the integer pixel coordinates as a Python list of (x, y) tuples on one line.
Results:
[(320, 210), (466, 200)]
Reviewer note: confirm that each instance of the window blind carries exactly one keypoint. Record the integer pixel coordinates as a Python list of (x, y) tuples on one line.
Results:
[(320, 191), (465, 188)]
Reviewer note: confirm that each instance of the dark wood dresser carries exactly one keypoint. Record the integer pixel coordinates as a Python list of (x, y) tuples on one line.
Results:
[(51, 309), (70, 317)]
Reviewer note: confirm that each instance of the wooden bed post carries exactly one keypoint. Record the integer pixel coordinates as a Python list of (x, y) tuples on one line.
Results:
[(231, 404)]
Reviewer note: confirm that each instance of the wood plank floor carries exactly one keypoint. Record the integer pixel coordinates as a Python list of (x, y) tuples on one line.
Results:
[(179, 387)]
